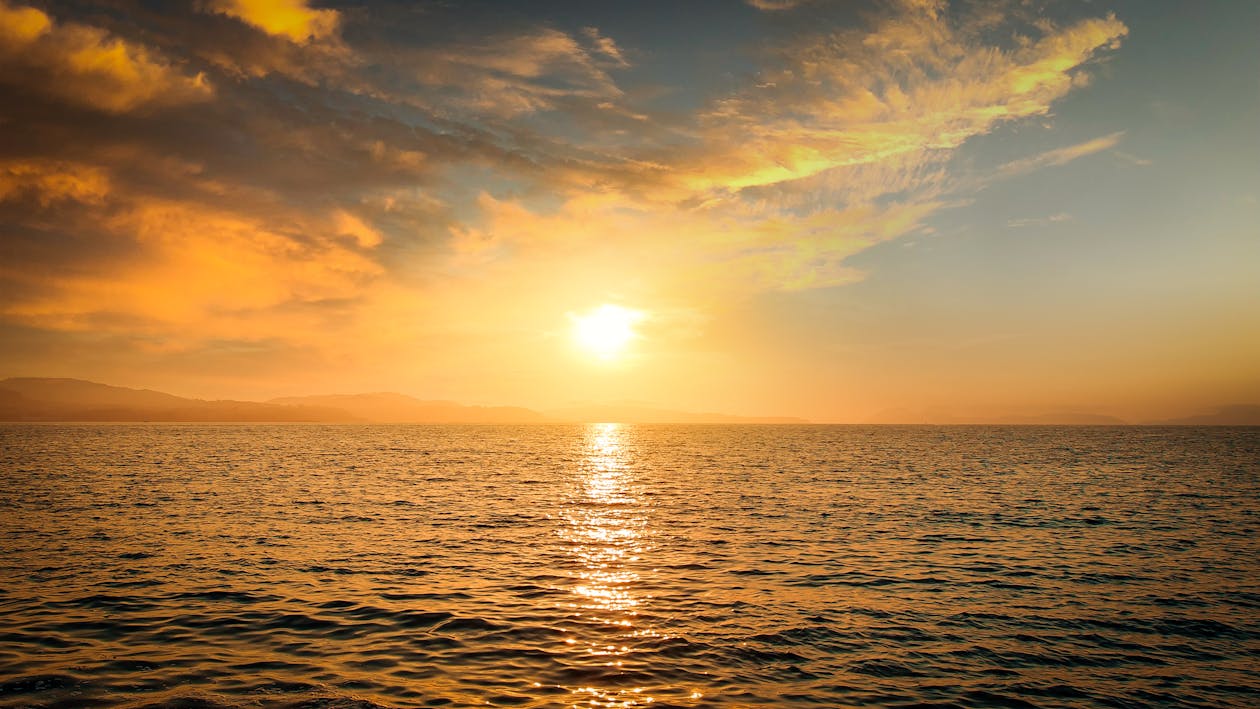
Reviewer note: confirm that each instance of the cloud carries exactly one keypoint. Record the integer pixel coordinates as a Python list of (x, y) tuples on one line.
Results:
[(516, 73), (913, 88), (1061, 156), (1133, 159), (293, 20), (839, 145), (86, 65), (49, 182), (21, 26), (96, 249), (609, 242), (225, 271), (774, 5), (347, 224), (1039, 221), (606, 46), (252, 39), (355, 196)]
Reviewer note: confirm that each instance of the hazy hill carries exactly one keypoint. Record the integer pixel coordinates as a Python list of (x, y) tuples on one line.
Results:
[(48, 399), (399, 408), (1235, 415), (1068, 418), (36, 399), (947, 418), (633, 413), (80, 393)]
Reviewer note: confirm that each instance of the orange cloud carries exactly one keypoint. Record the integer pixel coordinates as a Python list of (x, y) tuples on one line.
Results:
[(21, 26), (355, 228), (293, 20), (195, 272), (85, 65), (49, 181)]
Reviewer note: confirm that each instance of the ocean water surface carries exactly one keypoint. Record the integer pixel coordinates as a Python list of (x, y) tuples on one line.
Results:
[(628, 566)]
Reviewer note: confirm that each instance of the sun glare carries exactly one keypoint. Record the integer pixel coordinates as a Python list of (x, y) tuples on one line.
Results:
[(606, 330)]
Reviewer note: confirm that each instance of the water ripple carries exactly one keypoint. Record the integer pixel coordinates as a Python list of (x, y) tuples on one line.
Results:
[(615, 566)]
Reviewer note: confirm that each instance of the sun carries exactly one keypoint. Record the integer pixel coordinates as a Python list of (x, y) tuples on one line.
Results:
[(606, 330)]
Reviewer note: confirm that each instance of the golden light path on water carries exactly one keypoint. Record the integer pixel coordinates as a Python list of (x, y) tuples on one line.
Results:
[(607, 533)]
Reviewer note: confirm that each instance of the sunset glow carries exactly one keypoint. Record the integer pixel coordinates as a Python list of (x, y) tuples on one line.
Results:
[(699, 353), (896, 211)]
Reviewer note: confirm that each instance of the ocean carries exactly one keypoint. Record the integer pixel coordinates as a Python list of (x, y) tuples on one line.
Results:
[(628, 566)]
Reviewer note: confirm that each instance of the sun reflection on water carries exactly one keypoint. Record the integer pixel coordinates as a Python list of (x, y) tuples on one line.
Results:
[(607, 534)]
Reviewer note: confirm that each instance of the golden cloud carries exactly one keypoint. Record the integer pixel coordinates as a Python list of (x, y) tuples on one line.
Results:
[(293, 20), (21, 26), (912, 89), (207, 269), (85, 65), (51, 181)]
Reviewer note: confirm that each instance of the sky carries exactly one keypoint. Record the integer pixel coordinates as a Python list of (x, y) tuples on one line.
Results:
[(911, 210)]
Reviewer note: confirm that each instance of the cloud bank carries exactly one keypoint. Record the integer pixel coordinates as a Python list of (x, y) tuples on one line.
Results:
[(351, 182)]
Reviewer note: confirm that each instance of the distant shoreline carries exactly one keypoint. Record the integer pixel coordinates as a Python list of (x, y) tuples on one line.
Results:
[(63, 400), (708, 424)]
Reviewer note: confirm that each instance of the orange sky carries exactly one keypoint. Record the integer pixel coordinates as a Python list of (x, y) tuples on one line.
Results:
[(914, 211)]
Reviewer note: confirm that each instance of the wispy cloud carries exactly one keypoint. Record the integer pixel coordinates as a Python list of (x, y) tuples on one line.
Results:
[(606, 46), (775, 5), (797, 170), (1133, 159), (913, 88), (520, 73), (1039, 221), (1061, 156)]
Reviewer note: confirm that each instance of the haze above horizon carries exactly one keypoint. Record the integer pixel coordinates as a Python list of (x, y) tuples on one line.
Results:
[(976, 211), (76, 400)]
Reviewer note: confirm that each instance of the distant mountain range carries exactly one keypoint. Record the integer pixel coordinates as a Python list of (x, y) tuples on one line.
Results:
[(33, 399), (1234, 415), (400, 408), (637, 413), (41, 399), (946, 418)]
